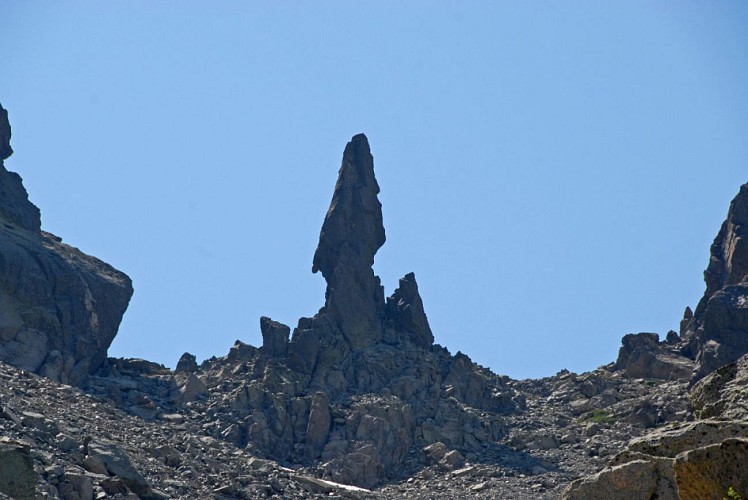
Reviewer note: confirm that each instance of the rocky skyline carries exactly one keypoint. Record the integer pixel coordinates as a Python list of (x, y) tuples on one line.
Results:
[(542, 165), (357, 401)]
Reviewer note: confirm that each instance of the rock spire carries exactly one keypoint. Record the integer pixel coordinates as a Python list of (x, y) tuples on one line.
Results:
[(351, 234)]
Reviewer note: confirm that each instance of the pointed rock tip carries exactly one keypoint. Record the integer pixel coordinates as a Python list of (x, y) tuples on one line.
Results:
[(353, 229)]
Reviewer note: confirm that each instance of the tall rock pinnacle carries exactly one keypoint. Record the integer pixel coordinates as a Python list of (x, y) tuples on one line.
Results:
[(351, 235)]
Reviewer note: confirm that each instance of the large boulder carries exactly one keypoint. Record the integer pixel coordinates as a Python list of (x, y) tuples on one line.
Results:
[(710, 471), (17, 478), (59, 308)]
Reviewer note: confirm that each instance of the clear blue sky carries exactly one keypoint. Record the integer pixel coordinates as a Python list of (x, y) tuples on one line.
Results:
[(553, 172)]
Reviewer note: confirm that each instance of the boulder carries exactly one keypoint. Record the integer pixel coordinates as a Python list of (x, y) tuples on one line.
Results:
[(709, 471), (118, 464), (17, 478), (405, 314)]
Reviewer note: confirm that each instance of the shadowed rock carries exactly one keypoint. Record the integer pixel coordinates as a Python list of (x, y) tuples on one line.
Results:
[(274, 337), (59, 308), (361, 384), (718, 331), (15, 206), (5, 149), (405, 313), (728, 262), (351, 235)]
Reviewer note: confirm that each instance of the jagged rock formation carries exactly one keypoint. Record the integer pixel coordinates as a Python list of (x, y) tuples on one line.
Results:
[(59, 308), (718, 331), (357, 394), (360, 387), (642, 355), (351, 234), (699, 459)]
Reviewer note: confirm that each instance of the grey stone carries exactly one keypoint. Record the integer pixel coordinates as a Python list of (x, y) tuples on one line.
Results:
[(187, 363), (718, 332), (190, 388), (76, 486), (274, 337), (406, 315), (318, 427), (635, 479), (709, 471), (350, 237), (642, 356), (17, 478), (118, 464)]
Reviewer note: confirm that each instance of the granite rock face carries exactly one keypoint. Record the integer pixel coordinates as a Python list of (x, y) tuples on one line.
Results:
[(718, 330), (59, 308)]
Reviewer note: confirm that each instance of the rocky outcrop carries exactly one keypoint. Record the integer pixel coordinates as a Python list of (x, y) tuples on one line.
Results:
[(59, 308), (360, 387), (351, 234), (718, 331), (722, 393), (700, 459), (642, 355), (711, 471), (406, 316)]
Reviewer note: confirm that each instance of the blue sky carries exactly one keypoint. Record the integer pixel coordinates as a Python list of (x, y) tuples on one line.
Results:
[(553, 172)]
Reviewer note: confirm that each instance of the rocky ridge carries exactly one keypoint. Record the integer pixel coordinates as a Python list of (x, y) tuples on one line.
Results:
[(357, 401)]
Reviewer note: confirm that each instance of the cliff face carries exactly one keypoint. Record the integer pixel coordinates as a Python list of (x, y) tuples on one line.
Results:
[(59, 308), (718, 330)]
